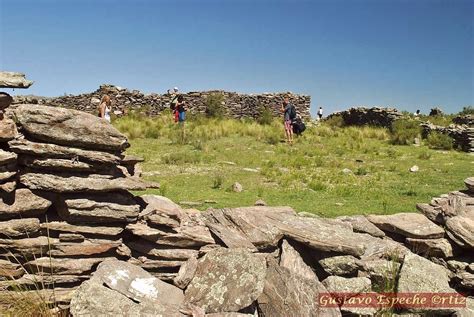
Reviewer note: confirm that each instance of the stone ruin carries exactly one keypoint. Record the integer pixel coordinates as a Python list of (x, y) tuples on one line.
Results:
[(72, 234), (123, 100), (375, 116)]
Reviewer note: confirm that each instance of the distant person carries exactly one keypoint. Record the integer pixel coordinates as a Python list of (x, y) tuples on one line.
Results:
[(105, 107), (320, 113), (181, 109), (173, 103), (417, 113), (289, 114)]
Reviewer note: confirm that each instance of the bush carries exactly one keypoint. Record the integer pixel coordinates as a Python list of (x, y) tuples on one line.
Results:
[(335, 121), (217, 181), (265, 117), (404, 131), (467, 110), (214, 107), (439, 141)]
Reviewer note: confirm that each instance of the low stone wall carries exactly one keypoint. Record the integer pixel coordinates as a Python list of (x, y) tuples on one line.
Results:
[(375, 116), (463, 135), (235, 105)]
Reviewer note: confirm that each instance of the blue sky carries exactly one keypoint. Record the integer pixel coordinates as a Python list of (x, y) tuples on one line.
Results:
[(410, 54)]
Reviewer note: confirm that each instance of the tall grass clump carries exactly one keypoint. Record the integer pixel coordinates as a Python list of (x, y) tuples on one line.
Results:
[(439, 141), (214, 105), (404, 131), (335, 121), (265, 116)]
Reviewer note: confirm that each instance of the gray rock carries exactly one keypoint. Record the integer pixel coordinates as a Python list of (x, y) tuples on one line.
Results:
[(14, 80), (463, 230), (341, 265), (184, 236), (19, 227), (71, 237), (414, 169), (75, 184), (432, 213), (410, 225), (361, 224), (104, 208), (288, 294), (237, 187), (65, 126), (63, 266), (63, 165), (22, 203), (160, 210), (7, 157), (84, 249), (353, 285), (94, 299), (136, 283), (46, 150), (186, 273), (58, 226), (227, 280), (431, 247), (469, 183), (157, 251), (7, 188), (413, 279), (260, 202), (10, 270), (292, 260)]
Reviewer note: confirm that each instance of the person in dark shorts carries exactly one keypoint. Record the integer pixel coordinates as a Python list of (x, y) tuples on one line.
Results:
[(289, 114), (320, 113)]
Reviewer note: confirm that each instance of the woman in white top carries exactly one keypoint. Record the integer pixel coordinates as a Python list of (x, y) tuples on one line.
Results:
[(105, 107)]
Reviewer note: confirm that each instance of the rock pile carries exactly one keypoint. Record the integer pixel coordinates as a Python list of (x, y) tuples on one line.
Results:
[(463, 135), (467, 119), (377, 116), (236, 105)]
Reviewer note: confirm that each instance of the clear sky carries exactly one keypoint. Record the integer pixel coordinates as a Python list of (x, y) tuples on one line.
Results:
[(411, 54)]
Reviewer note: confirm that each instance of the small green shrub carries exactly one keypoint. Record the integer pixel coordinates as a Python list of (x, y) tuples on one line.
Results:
[(218, 181), (335, 121), (182, 157), (425, 155), (439, 141), (404, 131), (265, 116), (317, 186), (361, 171), (214, 107), (467, 110)]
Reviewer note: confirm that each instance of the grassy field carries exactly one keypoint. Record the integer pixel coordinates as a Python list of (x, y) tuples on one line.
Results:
[(308, 176)]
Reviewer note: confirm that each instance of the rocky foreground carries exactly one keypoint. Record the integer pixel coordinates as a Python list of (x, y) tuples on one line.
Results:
[(72, 234)]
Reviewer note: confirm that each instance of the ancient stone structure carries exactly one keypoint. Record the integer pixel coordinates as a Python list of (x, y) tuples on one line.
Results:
[(65, 213), (463, 135), (236, 105), (376, 116)]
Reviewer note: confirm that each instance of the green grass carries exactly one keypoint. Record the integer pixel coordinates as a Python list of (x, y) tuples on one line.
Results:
[(306, 176)]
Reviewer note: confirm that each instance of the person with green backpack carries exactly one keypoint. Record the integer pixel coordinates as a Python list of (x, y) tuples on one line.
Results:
[(289, 115)]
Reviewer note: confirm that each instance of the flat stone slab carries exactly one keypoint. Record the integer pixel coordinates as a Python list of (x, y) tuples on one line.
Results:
[(75, 184), (22, 203), (60, 226), (412, 225), (66, 126), (19, 227), (7, 157), (14, 80), (227, 280), (431, 247), (47, 150), (7, 130), (463, 230)]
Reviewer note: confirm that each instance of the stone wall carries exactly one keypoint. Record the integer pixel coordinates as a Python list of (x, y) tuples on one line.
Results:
[(236, 105), (463, 135), (65, 208), (376, 116)]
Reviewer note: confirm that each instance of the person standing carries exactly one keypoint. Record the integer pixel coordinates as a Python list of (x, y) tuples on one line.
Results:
[(174, 102), (289, 114), (181, 111), (105, 107), (320, 113)]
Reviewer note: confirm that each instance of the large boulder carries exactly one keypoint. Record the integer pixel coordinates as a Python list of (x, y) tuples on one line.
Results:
[(14, 80), (227, 280), (410, 225), (65, 127)]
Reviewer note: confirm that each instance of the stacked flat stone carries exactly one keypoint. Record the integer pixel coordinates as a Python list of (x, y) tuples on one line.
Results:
[(64, 200), (375, 116), (236, 105), (463, 135)]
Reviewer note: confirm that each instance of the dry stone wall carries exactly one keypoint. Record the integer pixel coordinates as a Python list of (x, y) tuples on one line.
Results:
[(376, 116), (235, 105)]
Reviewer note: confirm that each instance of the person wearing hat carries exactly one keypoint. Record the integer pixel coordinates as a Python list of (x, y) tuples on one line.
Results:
[(173, 103)]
